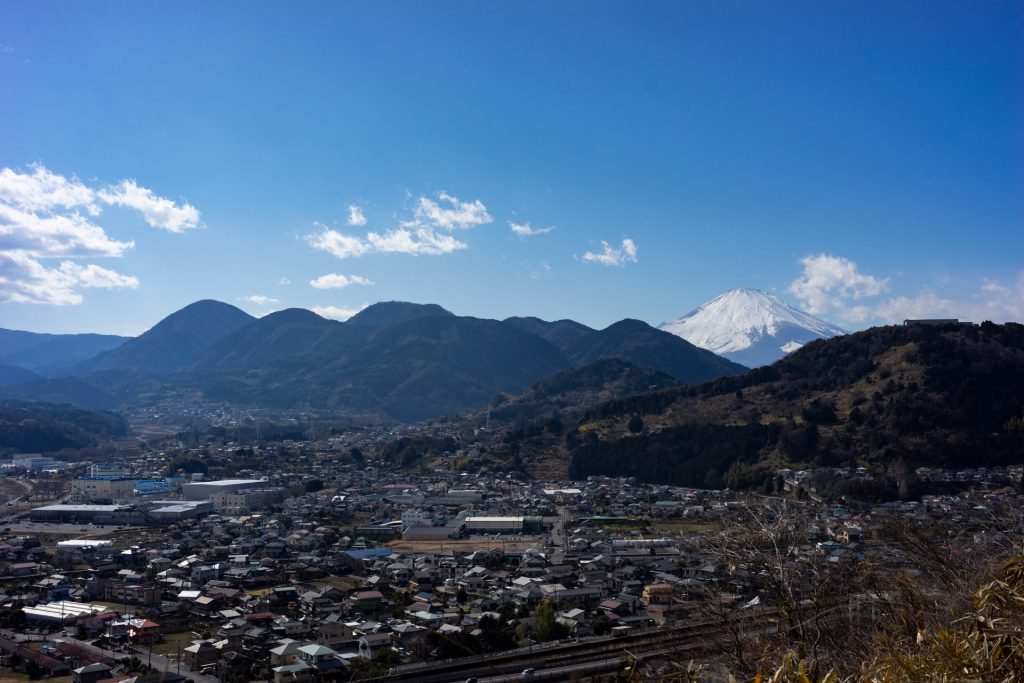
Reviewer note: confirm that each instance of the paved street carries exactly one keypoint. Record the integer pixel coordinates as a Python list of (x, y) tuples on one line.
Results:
[(156, 661)]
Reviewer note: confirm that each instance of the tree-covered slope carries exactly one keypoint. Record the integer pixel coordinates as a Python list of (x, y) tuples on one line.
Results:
[(943, 396), (45, 427)]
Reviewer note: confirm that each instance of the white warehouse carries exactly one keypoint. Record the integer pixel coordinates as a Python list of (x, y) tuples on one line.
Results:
[(204, 490)]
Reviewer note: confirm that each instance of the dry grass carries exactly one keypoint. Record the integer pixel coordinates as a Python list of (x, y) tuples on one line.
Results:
[(8, 676), (686, 526), (172, 641), (342, 583), (463, 545)]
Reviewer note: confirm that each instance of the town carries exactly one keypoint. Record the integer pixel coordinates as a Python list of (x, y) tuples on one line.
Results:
[(307, 559)]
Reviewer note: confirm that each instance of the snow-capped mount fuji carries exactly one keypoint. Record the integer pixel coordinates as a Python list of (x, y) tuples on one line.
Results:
[(749, 326)]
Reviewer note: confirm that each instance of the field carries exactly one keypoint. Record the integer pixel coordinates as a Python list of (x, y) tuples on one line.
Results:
[(8, 676), (172, 641), (13, 488), (463, 545), (686, 526), (342, 583)]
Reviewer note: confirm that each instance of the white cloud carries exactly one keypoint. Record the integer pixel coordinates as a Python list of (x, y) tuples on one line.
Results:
[(612, 256), (417, 241), (1000, 303), (337, 281), (829, 282), (338, 244), (834, 287), (97, 277), (525, 230), (261, 300), (46, 216), (23, 279), (993, 301), (417, 236), (42, 190), (158, 212), (450, 212), (925, 304), (999, 289), (284, 281), (337, 312), (64, 235), (356, 216)]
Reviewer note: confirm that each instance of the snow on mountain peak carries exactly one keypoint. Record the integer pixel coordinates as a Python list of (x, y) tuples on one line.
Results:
[(750, 327)]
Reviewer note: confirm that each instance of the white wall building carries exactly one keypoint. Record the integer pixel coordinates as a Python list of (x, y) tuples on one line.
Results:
[(416, 517), (87, 489), (204, 490)]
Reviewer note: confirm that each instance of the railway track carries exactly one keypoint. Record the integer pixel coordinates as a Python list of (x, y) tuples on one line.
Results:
[(688, 638)]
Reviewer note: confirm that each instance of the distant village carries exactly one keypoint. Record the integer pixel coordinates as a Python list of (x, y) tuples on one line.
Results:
[(288, 561)]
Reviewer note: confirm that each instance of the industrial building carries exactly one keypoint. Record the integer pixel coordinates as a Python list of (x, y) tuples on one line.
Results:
[(62, 612), (108, 470), (102, 489), (204, 490), (152, 512), (34, 462), (504, 525), (245, 501), (80, 544)]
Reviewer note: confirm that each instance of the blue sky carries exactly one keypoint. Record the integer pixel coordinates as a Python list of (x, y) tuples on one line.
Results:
[(864, 161)]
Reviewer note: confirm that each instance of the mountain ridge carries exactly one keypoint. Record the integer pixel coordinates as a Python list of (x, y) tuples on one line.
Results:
[(394, 360), (171, 343), (50, 354)]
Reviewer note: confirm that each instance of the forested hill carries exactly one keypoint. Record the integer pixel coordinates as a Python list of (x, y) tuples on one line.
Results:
[(941, 396), (32, 427)]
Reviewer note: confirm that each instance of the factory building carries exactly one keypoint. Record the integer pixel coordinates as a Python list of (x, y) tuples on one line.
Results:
[(504, 525), (246, 501), (62, 612), (205, 490), (153, 512), (102, 489), (416, 517), (34, 462), (107, 470)]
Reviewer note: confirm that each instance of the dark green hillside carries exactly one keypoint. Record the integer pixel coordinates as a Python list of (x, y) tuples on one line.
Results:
[(12, 374), (394, 360), (392, 312), (578, 388), (640, 344), (52, 354), (442, 364), (290, 333), (171, 344), (688, 455), (940, 396), (562, 333), (71, 390), (45, 427)]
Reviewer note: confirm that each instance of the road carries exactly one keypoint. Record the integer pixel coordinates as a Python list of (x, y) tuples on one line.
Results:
[(170, 664), (157, 662), (559, 536), (76, 530)]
